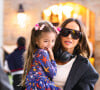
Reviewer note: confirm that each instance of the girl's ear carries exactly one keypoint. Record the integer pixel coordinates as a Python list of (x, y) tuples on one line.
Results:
[(36, 42)]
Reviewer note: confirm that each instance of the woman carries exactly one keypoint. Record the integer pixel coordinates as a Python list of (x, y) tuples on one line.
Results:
[(74, 71)]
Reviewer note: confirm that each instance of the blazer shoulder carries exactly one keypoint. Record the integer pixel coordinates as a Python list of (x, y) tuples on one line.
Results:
[(88, 65), (83, 59)]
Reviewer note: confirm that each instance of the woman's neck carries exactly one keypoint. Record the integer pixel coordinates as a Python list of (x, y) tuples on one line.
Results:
[(69, 50), (61, 63)]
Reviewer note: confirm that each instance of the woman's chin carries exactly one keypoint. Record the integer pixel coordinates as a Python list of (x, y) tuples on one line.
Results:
[(68, 47)]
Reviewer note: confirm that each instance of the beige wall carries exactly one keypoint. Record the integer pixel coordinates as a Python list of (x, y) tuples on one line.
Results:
[(33, 9), (1, 31)]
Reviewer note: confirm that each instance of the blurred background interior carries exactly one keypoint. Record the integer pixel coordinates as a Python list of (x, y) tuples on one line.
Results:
[(17, 18)]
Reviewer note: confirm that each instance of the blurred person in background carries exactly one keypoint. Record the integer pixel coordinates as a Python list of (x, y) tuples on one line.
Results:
[(15, 63)]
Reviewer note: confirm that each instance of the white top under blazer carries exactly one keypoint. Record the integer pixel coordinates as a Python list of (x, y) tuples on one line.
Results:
[(62, 73)]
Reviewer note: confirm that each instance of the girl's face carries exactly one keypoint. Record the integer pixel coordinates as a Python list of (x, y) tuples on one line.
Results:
[(68, 42), (46, 40)]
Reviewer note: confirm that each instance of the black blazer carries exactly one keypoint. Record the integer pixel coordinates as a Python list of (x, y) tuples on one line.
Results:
[(82, 76)]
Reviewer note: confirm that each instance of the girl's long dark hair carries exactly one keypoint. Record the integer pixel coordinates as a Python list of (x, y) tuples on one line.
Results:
[(82, 48), (35, 34)]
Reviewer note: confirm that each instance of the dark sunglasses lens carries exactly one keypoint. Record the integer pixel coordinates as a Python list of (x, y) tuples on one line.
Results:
[(76, 34), (65, 32)]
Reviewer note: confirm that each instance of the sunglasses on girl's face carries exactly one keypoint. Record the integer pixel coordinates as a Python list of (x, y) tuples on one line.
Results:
[(74, 33)]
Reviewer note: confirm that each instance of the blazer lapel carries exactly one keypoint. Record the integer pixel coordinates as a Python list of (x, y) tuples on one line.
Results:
[(76, 71)]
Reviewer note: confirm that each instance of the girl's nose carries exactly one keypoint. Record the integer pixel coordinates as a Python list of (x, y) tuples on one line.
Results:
[(49, 44)]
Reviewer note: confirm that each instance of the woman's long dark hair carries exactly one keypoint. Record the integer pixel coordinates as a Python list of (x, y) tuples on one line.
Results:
[(82, 48)]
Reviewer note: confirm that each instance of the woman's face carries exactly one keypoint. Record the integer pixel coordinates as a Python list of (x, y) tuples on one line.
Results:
[(68, 42)]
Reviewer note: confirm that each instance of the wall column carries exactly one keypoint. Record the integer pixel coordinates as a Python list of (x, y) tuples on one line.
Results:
[(1, 31)]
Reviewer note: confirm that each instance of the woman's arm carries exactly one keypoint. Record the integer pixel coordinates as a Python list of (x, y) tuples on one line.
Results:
[(88, 79)]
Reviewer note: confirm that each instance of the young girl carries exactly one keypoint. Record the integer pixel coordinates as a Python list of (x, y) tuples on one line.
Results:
[(40, 66)]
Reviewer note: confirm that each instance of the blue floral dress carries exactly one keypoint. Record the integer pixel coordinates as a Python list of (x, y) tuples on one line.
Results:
[(42, 70)]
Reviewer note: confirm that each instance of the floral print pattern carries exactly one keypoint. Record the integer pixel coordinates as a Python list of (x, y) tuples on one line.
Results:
[(42, 71)]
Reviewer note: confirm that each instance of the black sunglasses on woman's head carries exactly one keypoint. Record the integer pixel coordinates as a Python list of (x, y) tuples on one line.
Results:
[(74, 33)]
